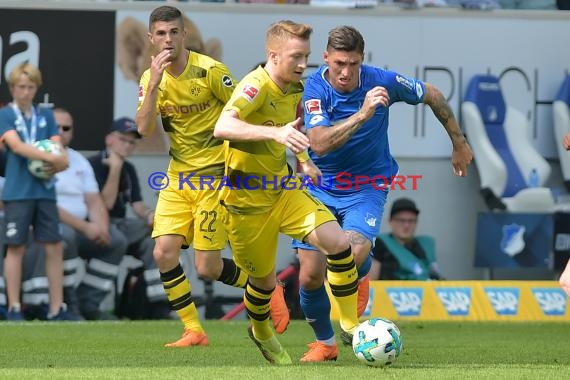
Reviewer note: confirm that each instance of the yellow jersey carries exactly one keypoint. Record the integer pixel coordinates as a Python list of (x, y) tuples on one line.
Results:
[(189, 106), (257, 171)]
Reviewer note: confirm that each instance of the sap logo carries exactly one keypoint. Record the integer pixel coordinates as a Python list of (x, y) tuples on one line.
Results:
[(406, 301), (551, 301), (455, 300), (505, 301), (30, 54)]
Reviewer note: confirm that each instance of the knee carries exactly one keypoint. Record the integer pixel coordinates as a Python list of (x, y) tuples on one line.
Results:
[(161, 253), (208, 265), (206, 272), (311, 279)]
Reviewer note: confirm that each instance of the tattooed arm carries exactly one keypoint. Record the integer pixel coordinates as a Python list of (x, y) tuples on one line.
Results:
[(327, 139), (461, 156)]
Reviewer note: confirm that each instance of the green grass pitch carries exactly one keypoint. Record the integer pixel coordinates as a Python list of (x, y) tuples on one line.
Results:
[(133, 350)]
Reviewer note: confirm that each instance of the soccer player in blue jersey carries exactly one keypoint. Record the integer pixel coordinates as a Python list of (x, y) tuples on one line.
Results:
[(346, 109)]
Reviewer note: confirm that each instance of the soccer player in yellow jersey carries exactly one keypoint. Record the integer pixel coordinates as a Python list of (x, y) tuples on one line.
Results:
[(188, 90), (261, 194)]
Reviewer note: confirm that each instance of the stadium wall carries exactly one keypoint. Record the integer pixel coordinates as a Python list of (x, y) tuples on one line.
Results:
[(527, 49)]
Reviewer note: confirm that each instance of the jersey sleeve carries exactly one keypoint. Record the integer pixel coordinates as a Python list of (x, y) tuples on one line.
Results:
[(221, 82), (315, 105), (143, 85), (247, 97), (404, 89), (7, 119)]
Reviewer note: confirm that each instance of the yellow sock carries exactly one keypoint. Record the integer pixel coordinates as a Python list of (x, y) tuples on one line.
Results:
[(179, 293), (257, 304), (343, 280)]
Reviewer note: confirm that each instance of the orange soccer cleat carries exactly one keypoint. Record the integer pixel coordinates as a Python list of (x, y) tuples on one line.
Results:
[(279, 311), (320, 352), (190, 338), (363, 294)]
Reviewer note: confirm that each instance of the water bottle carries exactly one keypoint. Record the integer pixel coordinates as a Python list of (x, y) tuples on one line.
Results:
[(533, 178)]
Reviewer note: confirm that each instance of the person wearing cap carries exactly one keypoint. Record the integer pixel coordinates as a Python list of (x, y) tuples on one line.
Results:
[(400, 254), (119, 186)]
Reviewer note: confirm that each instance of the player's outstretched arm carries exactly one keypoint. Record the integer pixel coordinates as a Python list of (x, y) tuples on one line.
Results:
[(230, 127), (461, 156)]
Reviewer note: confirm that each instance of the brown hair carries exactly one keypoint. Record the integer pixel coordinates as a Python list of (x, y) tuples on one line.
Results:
[(165, 13), (345, 38)]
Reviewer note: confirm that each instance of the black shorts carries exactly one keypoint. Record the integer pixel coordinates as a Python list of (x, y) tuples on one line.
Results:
[(40, 214)]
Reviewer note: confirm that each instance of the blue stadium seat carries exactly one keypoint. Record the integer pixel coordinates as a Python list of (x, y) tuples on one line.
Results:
[(561, 116), (506, 160)]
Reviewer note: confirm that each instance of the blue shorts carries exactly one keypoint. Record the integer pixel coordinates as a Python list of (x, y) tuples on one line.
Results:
[(41, 214), (361, 213)]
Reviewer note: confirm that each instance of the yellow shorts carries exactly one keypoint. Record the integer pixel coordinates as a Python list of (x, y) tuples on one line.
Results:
[(254, 237), (194, 214)]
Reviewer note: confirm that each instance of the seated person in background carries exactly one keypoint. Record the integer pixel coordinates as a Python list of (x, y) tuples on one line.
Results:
[(119, 186), (401, 255), (84, 226)]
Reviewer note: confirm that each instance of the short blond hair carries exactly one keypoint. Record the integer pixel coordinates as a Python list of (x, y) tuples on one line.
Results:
[(28, 69), (286, 29)]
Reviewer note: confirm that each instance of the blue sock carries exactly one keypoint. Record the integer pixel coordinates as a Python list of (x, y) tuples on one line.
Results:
[(317, 309), (365, 267)]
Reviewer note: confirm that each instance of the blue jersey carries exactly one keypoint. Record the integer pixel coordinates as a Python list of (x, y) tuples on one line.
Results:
[(20, 183), (367, 152)]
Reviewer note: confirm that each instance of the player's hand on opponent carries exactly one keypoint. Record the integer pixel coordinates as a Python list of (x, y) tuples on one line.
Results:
[(97, 233), (158, 63), (291, 137), (311, 170), (378, 96), (566, 142), (461, 158)]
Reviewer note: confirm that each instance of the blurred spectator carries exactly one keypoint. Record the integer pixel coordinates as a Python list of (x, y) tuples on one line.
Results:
[(563, 5), (401, 255), (119, 185), (30, 202), (86, 232)]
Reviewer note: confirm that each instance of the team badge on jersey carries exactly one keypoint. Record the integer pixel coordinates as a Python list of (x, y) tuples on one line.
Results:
[(249, 92), (313, 106), (227, 81)]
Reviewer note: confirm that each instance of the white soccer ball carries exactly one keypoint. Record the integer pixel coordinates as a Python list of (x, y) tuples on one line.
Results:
[(36, 167), (377, 342)]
